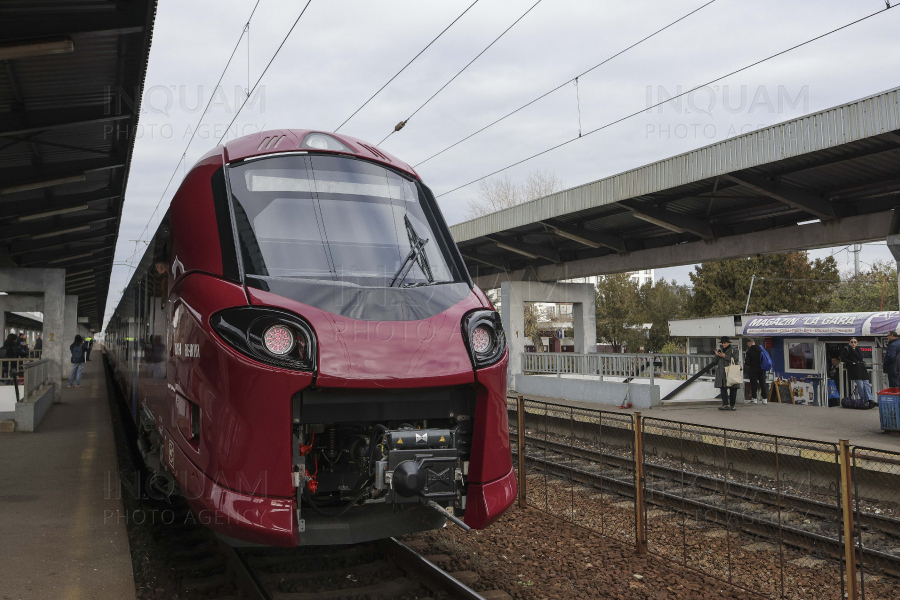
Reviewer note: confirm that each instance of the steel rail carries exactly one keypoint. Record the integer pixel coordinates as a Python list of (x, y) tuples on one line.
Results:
[(416, 566), (747, 522), (746, 492), (431, 576)]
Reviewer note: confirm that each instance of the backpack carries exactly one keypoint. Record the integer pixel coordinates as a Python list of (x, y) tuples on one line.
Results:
[(77, 353), (765, 361)]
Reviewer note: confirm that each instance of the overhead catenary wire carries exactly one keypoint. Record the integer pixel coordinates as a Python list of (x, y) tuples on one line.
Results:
[(397, 74), (263, 74), (244, 30), (567, 82), (403, 123), (667, 100)]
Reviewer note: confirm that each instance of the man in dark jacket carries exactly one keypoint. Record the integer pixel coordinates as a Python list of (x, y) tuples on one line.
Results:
[(23, 345), (856, 369), (753, 369), (77, 349), (889, 362)]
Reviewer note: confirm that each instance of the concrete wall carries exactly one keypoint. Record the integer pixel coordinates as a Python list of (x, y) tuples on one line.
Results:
[(30, 414), (52, 284), (514, 295), (607, 393)]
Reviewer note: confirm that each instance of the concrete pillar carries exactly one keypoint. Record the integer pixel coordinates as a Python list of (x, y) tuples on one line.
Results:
[(71, 326), (52, 284), (514, 295)]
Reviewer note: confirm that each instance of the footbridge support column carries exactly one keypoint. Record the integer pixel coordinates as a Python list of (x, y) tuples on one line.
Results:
[(514, 295), (52, 284)]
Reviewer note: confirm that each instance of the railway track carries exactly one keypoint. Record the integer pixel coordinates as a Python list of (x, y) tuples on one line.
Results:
[(745, 507), (385, 569)]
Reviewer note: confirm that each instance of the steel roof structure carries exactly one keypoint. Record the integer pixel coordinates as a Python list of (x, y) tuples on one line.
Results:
[(824, 179), (71, 77)]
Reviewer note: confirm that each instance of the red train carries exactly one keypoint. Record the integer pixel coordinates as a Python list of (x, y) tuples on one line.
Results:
[(305, 354)]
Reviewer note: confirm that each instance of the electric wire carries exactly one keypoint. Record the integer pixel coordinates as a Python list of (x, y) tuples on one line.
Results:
[(667, 100), (244, 30), (404, 66), (505, 31), (567, 82), (263, 74)]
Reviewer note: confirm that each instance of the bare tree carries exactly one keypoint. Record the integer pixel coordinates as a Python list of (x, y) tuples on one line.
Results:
[(502, 192), (539, 184)]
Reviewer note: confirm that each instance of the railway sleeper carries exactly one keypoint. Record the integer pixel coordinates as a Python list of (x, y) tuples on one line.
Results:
[(386, 589), (268, 579)]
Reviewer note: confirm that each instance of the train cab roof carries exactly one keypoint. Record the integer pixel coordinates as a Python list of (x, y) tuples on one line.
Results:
[(277, 141)]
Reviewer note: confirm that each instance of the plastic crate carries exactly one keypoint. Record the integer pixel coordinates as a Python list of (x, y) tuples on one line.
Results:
[(889, 409)]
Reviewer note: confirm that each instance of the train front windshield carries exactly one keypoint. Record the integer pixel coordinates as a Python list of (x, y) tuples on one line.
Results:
[(334, 218)]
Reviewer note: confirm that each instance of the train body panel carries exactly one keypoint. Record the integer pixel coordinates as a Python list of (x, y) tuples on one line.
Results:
[(304, 353), (425, 353)]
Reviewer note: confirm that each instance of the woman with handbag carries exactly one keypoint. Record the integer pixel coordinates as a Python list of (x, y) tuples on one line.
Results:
[(728, 373)]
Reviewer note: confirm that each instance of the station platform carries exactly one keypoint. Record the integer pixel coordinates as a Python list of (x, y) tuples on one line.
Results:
[(58, 490), (861, 427)]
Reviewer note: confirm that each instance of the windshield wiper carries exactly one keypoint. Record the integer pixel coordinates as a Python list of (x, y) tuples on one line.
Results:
[(423, 284), (416, 255)]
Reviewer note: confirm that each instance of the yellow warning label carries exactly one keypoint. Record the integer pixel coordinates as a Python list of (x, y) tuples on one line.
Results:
[(442, 439), (400, 441)]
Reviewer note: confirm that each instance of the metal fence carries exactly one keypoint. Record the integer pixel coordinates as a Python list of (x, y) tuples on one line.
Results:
[(37, 374), (30, 373), (764, 513), (672, 366), (11, 370)]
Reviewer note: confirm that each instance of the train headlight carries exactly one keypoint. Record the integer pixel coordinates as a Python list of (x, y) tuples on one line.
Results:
[(320, 141), (270, 336), (484, 337), (278, 340), (481, 340)]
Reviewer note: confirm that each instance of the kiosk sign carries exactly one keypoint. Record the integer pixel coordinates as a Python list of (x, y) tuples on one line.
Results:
[(824, 324)]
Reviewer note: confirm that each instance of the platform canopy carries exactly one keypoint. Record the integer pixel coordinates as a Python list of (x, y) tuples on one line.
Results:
[(822, 324), (71, 78), (836, 172)]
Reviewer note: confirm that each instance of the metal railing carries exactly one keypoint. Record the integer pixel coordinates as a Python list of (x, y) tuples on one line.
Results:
[(30, 373), (780, 517), (11, 370), (670, 366), (37, 374)]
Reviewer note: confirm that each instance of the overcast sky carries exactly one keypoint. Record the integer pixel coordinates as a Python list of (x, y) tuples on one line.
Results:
[(341, 51)]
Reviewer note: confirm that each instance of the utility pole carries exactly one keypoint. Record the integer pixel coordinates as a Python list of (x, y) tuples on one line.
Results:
[(857, 248), (747, 306)]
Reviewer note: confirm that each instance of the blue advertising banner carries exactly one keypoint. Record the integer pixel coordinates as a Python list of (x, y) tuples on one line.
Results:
[(823, 324)]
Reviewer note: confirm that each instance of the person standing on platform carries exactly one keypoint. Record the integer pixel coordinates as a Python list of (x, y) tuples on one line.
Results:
[(889, 362), (23, 345), (38, 345), (77, 349), (727, 354), (852, 358), (753, 369), (88, 346), (10, 350)]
